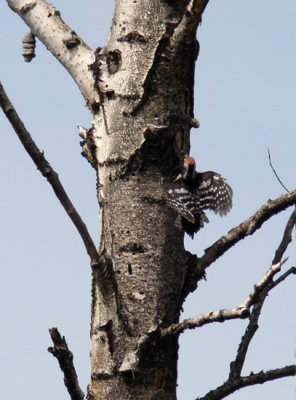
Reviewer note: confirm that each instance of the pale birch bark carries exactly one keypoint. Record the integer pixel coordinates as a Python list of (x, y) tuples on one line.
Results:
[(140, 91), (146, 84), (139, 88), (45, 22)]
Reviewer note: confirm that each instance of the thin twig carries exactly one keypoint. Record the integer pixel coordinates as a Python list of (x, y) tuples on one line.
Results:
[(203, 319), (239, 312), (284, 276), (235, 381), (44, 167), (274, 171), (261, 377), (237, 365), (246, 228), (65, 359), (257, 298), (287, 238), (253, 379), (258, 288)]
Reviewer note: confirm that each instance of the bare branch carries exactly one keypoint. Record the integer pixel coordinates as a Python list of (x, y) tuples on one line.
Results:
[(44, 167), (274, 171), (237, 365), (240, 312), (235, 381), (267, 278), (46, 23), (287, 238), (270, 375), (290, 271), (253, 379), (65, 359), (246, 228), (257, 297), (203, 319)]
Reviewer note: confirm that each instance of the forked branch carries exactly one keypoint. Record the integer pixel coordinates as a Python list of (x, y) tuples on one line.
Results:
[(237, 365), (65, 359), (242, 311), (253, 379), (235, 381)]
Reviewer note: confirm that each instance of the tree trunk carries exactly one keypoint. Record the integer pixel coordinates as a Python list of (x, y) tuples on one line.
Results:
[(141, 132), (140, 91)]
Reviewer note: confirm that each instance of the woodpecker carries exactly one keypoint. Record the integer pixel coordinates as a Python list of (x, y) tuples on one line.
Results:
[(192, 192)]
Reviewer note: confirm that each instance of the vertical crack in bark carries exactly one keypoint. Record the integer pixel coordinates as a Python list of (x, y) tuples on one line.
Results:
[(146, 111), (162, 44)]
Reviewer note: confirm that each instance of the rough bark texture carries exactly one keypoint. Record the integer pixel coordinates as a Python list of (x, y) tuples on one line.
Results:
[(141, 131), (140, 91)]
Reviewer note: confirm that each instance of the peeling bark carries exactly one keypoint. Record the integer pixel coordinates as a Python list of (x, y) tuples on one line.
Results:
[(139, 88), (145, 79)]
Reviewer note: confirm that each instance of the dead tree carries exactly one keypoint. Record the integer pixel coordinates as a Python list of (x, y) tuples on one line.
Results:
[(139, 89)]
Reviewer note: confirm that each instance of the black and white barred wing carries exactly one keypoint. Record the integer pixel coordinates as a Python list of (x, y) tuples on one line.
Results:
[(213, 193), (181, 200)]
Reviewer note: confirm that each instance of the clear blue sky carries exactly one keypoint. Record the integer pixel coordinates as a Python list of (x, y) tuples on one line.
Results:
[(245, 100)]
